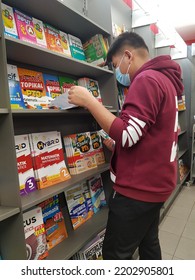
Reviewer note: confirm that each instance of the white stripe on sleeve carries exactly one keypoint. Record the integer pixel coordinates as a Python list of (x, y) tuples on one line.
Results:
[(136, 127), (125, 138), (141, 123), (133, 133)]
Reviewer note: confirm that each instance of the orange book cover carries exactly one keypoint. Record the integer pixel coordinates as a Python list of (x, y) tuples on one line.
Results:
[(53, 38), (33, 90), (54, 221)]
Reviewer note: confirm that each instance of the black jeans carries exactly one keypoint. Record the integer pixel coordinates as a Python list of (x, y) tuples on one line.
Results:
[(131, 224)]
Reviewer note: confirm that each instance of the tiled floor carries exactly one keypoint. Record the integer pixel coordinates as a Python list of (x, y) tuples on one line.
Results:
[(177, 229)]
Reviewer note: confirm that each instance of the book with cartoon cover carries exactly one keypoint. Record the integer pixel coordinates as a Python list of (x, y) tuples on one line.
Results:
[(39, 33), (53, 38), (9, 21), (25, 27), (92, 86), (79, 151), (97, 147)]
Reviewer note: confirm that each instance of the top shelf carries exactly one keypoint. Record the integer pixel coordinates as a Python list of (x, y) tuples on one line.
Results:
[(27, 53), (58, 14)]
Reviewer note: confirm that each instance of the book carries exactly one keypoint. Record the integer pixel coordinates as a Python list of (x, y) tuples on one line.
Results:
[(76, 206), (79, 151), (35, 237), (92, 86), (25, 27), (52, 85), (53, 221), (76, 47), (48, 158), (65, 43), (9, 21), (97, 147), (61, 102), (24, 164), (88, 201), (93, 249), (39, 32), (33, 90), (53, 38), (15, 93), (97, 192), (95, 49)]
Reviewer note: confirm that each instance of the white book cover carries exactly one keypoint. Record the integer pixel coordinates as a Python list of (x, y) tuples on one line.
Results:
[(24, 163), (47, 152)]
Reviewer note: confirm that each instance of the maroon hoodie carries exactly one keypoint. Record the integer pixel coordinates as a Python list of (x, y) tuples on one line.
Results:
[(144, 163)]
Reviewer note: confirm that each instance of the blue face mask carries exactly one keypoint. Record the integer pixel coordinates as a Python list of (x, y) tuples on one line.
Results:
[(123, 79)]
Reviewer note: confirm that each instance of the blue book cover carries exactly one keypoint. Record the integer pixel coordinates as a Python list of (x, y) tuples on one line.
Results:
[(16, 97), (52, 85)]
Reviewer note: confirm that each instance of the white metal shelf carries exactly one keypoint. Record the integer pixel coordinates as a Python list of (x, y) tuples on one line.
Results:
[(3, 111)]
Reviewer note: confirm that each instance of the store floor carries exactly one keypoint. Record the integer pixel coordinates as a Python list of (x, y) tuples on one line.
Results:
[(177, 229)]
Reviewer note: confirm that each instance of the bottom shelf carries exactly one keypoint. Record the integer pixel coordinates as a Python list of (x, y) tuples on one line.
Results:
[(79, 237)]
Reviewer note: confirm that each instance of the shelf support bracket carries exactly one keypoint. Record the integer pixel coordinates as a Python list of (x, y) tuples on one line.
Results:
[(85, 7)]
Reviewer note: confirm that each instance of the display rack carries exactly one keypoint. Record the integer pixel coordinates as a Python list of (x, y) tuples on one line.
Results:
[(16, 122), (192, 167)]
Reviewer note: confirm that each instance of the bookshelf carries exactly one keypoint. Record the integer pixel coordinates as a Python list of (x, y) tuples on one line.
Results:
[(16, 122)]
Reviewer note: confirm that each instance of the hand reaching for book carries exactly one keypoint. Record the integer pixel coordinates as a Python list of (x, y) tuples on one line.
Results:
[(80, 96)]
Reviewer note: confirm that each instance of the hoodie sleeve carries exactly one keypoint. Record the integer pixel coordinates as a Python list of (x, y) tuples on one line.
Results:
[(139, 112)]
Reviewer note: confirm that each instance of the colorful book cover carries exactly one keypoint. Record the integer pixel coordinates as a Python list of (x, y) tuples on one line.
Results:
[(36, 244), (65, 43), (97, 192), (33, 90), (81, 155), (16, 97), (66, 83), (54, 222), (76, 47), (52, 85), (25, 27), (92, 86), (39, 33), (9, 21), (88, 201), (53, 38), (48, 158), (24, 163), (95, 49), (97, 147), (76, 206)]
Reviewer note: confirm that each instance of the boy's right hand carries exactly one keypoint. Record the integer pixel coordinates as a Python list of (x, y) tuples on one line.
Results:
[(109, 143)]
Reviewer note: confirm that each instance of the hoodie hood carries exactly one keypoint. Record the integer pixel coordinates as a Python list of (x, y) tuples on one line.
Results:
[(168, 67)]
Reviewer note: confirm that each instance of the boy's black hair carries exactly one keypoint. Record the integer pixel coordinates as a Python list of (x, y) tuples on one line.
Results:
[(131, 39)]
